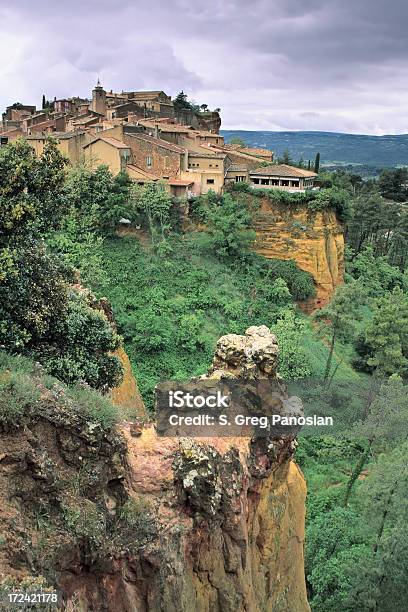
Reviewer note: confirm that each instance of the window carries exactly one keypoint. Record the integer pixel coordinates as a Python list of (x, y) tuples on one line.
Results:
[(275, 182), (210, 181), (148, 161), (264, 181), (240, 179), (210, 165), (255, 181), (284, 183), (294, 183)]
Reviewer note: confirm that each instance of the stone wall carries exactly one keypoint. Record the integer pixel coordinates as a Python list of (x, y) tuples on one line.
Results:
[(165, 162)]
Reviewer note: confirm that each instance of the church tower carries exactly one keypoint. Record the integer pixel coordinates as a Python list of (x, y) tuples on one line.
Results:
[(99, 99)]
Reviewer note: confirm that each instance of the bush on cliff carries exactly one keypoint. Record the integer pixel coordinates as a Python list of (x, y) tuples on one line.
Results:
[(331, 198), (40, 315), (27, 392)]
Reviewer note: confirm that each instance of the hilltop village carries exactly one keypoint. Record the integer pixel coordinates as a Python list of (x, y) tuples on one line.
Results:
[(152, 138)]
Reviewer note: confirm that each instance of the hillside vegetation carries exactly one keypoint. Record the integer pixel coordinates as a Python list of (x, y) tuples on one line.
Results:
[(173, 293)]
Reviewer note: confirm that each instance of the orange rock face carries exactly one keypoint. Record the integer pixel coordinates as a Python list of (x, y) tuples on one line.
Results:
[(127, 395), (314, 240)]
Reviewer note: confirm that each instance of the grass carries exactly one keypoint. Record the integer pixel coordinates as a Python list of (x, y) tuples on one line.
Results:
[(171, 311), (22, 385)]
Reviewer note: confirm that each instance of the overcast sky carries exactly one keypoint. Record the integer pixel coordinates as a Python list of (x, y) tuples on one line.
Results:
[(335, 65)]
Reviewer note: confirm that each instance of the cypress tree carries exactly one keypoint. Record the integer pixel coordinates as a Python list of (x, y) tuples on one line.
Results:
[(317, 163), (43, 102)]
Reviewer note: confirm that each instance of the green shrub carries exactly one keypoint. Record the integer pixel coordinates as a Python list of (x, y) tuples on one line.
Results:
[(18, 393), (93, 406)]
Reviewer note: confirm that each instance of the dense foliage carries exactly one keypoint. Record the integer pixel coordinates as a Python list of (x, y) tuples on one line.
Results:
[(172, 311), (41, 315), (174, 294)]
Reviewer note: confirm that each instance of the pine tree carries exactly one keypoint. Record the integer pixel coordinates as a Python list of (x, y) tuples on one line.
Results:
[(338, 318), (317, 163), (43, 102)]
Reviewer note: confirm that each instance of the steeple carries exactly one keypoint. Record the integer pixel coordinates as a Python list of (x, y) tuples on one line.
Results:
[(99, 99)]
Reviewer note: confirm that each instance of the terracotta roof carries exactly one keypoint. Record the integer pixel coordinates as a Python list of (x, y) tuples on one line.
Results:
[(260, 151), (56, 135), (207, 133), (164, 126), (283, 170), (110, 141), (143, 173), (180, 183), (158, 142), (208, 155), (85, 119), (38, 127), (237, 168)]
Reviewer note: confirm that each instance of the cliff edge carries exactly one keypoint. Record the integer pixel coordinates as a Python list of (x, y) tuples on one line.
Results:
[(124, 520), (313, 239)]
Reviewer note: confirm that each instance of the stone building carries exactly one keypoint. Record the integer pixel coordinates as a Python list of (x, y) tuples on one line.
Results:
[(282, 176), (99, 104), (108, 152)]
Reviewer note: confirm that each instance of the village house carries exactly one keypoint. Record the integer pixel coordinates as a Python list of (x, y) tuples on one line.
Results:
[(264, 154), (104, 150), (136, 132), (70, 144), (282, 176)]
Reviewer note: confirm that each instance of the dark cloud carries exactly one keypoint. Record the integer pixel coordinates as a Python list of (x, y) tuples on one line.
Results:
[(298, 64)]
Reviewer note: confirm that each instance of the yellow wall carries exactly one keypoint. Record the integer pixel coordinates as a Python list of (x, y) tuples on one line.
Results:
[(100, 152), (200, 179)]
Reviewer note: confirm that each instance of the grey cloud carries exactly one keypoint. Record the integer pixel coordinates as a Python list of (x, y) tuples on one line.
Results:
[(315, 64)]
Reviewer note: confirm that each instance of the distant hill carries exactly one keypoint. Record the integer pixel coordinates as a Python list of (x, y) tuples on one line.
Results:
[(335, 148)]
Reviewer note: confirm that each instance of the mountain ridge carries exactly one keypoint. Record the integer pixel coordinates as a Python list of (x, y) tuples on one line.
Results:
[(336, 148)]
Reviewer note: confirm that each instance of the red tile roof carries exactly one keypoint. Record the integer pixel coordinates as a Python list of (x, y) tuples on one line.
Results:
[(283, 170), (180, 183), (158, 142)]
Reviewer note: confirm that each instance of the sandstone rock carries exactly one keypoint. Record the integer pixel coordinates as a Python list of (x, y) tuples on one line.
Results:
[(147, 524), (315, 240)]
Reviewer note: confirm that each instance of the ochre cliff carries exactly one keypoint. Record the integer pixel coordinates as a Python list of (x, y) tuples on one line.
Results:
[(314, 240), (127, 395), (126, 521)]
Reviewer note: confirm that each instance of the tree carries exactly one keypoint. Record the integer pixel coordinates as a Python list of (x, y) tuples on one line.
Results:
[(204, 107), (386, 334), (237, 140), (384, 420), (31, 190), (154, 203), (339, 317), (374, 273), (229, 227), (381, 581), (181, 102), (290, 331), (393, 184), (40, 315), (286, 158), (317, 163)]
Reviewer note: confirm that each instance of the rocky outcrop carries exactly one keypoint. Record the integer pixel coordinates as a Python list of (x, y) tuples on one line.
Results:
[(128, 521), (314, 240), (210, 121)]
